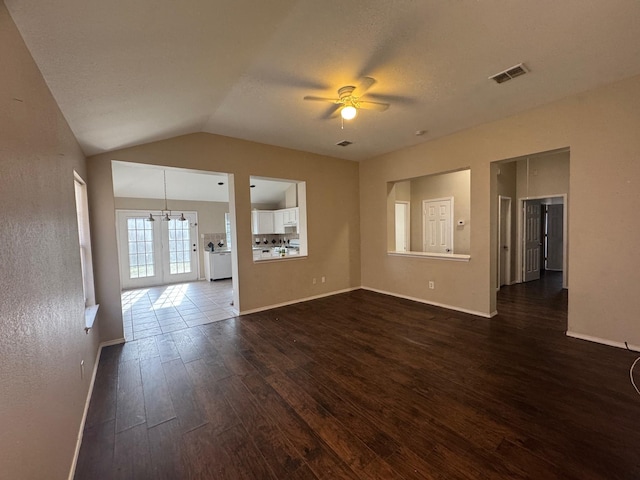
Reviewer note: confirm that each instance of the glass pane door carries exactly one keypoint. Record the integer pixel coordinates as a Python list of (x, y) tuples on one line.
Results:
[(156, 253), (180, 254)]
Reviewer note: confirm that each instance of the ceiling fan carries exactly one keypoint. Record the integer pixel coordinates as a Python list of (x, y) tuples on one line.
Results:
[(349, 100)]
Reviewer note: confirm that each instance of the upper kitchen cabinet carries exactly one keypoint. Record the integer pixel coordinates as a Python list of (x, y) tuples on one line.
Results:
[(262, 222)]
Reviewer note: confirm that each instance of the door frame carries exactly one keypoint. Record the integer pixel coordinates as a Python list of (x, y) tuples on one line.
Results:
[(565, 237), (160, 262), (508, 236), (407, 223)]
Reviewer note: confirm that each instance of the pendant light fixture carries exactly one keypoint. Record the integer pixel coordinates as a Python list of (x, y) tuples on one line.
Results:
[(166, 214)]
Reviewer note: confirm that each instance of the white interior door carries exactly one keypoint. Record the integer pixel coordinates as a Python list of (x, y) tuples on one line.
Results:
[(156, 253), (437, 232), (402, 227), (554, 230), (532, 240)]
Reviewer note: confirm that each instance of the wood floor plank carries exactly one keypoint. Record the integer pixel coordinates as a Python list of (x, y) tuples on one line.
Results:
[(204, 456), (157, 400), (243, 454), (364, 385), (96, 452), (130, 397), (166, 449), (103, 400), (342, 441), (183, 397), (132, 456), (280, 455), (322, 461), (346, 412), (208, 394)]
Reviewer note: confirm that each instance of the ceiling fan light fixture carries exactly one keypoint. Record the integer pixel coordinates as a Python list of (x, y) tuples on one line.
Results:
[(348, 112)]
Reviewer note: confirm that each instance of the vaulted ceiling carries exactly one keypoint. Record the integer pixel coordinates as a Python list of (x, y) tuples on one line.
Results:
[(134, 71)]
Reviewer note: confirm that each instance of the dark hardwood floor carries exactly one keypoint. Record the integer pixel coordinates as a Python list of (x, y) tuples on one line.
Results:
[(367, 386)]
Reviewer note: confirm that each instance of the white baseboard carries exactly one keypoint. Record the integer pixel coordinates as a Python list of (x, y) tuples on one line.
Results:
[(88, 401), (299, 300), (435, 304), (117, 341), (602, 341)]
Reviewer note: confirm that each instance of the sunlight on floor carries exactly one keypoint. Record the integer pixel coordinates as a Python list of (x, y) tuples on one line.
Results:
[(157, 310)]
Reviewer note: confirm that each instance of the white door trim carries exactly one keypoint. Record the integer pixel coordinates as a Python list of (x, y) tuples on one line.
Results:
[(407, 224), (508, 240), (565, 236)]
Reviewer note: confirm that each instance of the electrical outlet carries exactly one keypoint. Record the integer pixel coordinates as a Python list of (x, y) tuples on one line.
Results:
[(314, 280), (432, 285), (323, 279)]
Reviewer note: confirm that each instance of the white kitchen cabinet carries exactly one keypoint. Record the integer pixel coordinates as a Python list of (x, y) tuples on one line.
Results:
[(290, 216), (278, 221), (261, 222), (217, 265)]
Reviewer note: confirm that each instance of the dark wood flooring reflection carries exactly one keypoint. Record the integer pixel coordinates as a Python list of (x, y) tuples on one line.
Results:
[(362, 385)]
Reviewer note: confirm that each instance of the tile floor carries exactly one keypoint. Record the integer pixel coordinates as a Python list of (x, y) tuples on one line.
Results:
[(156, 310)]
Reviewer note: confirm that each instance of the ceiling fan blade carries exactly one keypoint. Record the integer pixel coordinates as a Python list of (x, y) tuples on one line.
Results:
[(320, 99), (365, 84), (332, 112), (380, 107)]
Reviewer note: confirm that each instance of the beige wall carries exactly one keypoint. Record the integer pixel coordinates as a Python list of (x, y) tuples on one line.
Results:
[(42, 340), (210, 215), (543, 175), (600, 128), (332, 212)]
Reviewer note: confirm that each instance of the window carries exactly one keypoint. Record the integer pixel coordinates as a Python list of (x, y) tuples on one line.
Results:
[(227, 229), (86, 261)]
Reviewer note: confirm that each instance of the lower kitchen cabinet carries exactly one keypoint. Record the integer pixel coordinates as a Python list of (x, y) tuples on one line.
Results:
[(217, 265)]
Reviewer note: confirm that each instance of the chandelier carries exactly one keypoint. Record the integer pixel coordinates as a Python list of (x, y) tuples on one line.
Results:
[(166, 214)]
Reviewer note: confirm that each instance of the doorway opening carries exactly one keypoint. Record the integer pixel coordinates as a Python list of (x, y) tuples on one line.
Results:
[(544, 246), (530, 208), (169, 223)]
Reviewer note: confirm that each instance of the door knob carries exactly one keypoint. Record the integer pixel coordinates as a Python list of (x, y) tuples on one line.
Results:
[(505, 247)]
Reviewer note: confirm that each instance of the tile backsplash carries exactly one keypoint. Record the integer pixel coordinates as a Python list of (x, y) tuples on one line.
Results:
[(214, 238), (270, 237)]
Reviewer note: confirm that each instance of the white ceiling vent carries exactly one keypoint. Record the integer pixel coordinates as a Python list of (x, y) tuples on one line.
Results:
[(344, 143), (509, 73)]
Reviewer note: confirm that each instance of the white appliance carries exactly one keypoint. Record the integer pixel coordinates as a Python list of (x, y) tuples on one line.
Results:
[(217, 265)]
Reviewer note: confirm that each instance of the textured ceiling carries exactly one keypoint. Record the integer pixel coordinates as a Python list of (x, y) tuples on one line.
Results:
[(129, 72), (135, 180)]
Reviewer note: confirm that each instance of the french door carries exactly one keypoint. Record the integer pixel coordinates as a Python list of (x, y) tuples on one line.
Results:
[(156, 253)]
